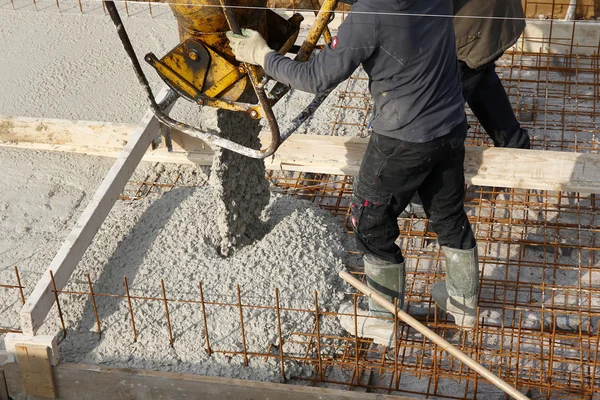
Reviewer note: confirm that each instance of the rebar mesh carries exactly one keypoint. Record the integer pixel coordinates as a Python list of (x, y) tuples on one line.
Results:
[(540, 282)]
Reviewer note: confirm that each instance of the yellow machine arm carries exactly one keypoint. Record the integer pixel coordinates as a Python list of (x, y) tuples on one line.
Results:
[(203, 69)]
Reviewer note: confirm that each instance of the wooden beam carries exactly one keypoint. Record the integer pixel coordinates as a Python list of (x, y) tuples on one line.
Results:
[(76, 382), (3, 386), (560, 38), (12, 340), (40, 301), (338, 155), (533, 169), (78, 136), (36, 372)]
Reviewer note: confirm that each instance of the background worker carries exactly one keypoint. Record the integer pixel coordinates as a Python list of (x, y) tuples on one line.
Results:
[(484, 30), (407, 49)]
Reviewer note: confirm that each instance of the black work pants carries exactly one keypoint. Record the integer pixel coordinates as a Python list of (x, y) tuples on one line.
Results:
[(485, 95), (392, 171)]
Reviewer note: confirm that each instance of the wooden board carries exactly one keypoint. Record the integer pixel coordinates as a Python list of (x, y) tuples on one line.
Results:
[(80, 135), (533, 169), (11, 340), (3, 386), (86, 382), (524, 169), (560, 37), (558, 8), (36, 372), (40, 301)]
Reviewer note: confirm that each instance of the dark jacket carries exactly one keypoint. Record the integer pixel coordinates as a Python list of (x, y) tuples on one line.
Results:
[(407, 48), (482, 40)]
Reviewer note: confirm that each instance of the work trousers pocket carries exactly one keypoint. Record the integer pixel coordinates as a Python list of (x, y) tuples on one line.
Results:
[(374, 226), (372, 164)]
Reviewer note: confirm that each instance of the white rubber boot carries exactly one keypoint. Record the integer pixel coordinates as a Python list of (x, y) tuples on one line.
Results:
[(387, 279), (458, 295), (381, 331)]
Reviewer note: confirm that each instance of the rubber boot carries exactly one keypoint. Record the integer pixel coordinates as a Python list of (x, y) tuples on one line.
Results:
[(387, 279), (458, 295)]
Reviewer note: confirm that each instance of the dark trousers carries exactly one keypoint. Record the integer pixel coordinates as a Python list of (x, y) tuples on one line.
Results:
[(392, 171), (485, 95)]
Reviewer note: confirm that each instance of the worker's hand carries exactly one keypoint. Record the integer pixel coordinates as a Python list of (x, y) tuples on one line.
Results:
[(249, 47)]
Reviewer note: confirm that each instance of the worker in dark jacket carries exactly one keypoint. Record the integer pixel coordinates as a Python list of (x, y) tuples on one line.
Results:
[(407, 48), (485, 29)]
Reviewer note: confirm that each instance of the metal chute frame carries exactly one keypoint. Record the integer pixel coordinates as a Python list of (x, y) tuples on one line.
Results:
[(266, 101)]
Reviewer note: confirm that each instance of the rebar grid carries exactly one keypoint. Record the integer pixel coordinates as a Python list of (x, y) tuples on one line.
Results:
[(540, 287), (539, 300), (555, 97)]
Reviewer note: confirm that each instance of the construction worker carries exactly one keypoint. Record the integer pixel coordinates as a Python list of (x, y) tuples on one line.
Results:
[(408, 50), (484, 30)]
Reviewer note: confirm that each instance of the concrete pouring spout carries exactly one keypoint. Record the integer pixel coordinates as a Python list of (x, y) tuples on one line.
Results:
[(202, 68)]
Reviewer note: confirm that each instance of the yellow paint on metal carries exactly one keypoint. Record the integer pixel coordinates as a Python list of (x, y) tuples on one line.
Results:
[(204, 21), (174, 79), (220, 69)]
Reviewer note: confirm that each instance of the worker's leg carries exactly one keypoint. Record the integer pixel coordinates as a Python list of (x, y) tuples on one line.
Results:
[(374, 214), (442, 193), (485, 94), (469, 78), (443, 199), (389, 176)]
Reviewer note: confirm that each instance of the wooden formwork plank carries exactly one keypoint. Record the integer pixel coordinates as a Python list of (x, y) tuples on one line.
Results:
[(36, 372), (338, 155), (40, 301), (533, 169), (3, 386), (560, 37), (81, 135), (77, 382)]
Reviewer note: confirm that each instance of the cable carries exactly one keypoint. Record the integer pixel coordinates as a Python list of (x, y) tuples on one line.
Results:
[(345, 12)]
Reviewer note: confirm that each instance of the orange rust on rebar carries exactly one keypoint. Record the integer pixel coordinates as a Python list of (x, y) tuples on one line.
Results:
[(130, 309), (91, 293), (239, 296), (19, 285), (203, 304), (165, 301), (356, 342), (318, 331), (280, 335), (60, 314)]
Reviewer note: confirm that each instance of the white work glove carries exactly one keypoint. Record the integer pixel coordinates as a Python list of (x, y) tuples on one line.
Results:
[(249, 47)]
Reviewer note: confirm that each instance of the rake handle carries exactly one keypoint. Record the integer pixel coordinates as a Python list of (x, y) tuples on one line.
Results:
[(435, 338)]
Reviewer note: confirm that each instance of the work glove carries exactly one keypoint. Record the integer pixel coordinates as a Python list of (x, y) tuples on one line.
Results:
[(249, 47)]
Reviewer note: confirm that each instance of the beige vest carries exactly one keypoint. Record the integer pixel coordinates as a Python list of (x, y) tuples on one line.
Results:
[(482, 40)]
